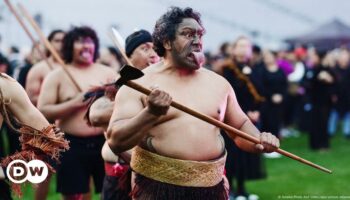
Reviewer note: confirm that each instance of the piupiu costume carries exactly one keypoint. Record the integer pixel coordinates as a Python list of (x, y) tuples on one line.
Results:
[(43, 144), (117, 180), (159, 177)]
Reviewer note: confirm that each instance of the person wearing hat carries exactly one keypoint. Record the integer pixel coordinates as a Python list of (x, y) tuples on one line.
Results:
[(139, 49), (116, 185)]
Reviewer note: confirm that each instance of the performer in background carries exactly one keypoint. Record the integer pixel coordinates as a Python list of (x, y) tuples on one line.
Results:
[(116, 184), (59, 100)]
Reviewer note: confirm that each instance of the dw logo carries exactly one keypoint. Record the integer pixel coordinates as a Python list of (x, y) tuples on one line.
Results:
[(35, 171)]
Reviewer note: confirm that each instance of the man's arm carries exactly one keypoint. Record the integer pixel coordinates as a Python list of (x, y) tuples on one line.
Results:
[(235, 117), (100, 112), (130, 122), (48, 99), (33, 83), (21, 106)]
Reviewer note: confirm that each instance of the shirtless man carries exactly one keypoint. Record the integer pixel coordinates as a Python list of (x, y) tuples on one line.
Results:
[(38, 72), (139, 49), (15, 100), (60, 100), (177, 156)]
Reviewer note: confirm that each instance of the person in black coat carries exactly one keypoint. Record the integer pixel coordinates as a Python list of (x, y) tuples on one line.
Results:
[(274, 82), (320, 82), (246, 81)]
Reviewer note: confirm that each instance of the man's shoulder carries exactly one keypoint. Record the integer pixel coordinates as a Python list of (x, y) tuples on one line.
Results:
[(100, 65), (41, 65), (8, 84), (6, 76), (213, 77), (104, 68), (154, 68), (38, 69), (150, 72), (5, 80), (55, 74)]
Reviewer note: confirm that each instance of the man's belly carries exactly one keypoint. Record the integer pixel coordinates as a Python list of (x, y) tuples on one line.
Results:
[(194, 141), (77, 126), (107, 154)]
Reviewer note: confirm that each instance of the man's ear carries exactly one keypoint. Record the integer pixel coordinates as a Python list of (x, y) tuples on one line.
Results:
[(167, 45)]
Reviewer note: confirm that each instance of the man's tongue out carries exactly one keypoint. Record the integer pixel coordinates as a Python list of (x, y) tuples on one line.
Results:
[(86, 55), (198, 57)]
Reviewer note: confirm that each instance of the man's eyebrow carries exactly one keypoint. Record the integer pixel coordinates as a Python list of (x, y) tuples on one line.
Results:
[(200, 30), (187, 28), (148, 44)]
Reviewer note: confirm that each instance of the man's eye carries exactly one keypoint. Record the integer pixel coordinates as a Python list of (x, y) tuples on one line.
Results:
[(189, 35)]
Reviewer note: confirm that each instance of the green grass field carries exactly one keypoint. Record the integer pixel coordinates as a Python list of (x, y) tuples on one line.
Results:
[(288, 179)]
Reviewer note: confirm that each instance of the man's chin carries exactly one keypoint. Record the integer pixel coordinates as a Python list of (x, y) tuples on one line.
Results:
[(85, 62), (191, 67), (194, 66)]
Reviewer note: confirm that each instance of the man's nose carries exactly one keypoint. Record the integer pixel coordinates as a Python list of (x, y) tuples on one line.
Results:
[(86, 44), (152, 54), (196, 39)]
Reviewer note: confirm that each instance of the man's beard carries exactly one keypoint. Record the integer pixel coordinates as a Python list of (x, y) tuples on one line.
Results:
[(181, 60)]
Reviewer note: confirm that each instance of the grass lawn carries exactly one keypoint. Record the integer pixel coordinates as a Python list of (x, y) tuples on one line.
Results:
[(288, 179)]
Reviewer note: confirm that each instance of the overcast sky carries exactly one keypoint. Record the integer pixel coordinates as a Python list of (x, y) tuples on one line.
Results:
[(267, 21)]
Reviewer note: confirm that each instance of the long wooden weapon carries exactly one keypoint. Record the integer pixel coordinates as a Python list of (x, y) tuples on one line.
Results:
[(48, 45), (20, 21)]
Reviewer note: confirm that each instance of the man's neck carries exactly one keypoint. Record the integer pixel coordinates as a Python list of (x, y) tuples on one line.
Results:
[(171, 67), (82, 65), (52, 60)]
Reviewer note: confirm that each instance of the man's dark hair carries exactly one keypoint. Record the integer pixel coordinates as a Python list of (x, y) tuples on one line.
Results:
[(53, 33), (136, 39), (167, 24), (50, 38), (74, 35)]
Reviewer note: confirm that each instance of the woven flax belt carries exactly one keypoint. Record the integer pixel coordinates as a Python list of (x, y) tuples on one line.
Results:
[(177, 172)]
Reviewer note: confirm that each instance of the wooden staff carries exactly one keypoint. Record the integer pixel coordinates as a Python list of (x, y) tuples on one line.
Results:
[(48, 45), (116, 37), (14, 12), (209, 119)]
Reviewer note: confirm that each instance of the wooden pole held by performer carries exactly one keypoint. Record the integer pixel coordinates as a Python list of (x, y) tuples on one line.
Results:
[(126, 69), (20, 21), (48, 45)]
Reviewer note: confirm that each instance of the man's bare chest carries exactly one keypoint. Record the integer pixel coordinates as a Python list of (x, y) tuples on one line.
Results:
[(67, 90), (204, 98)]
